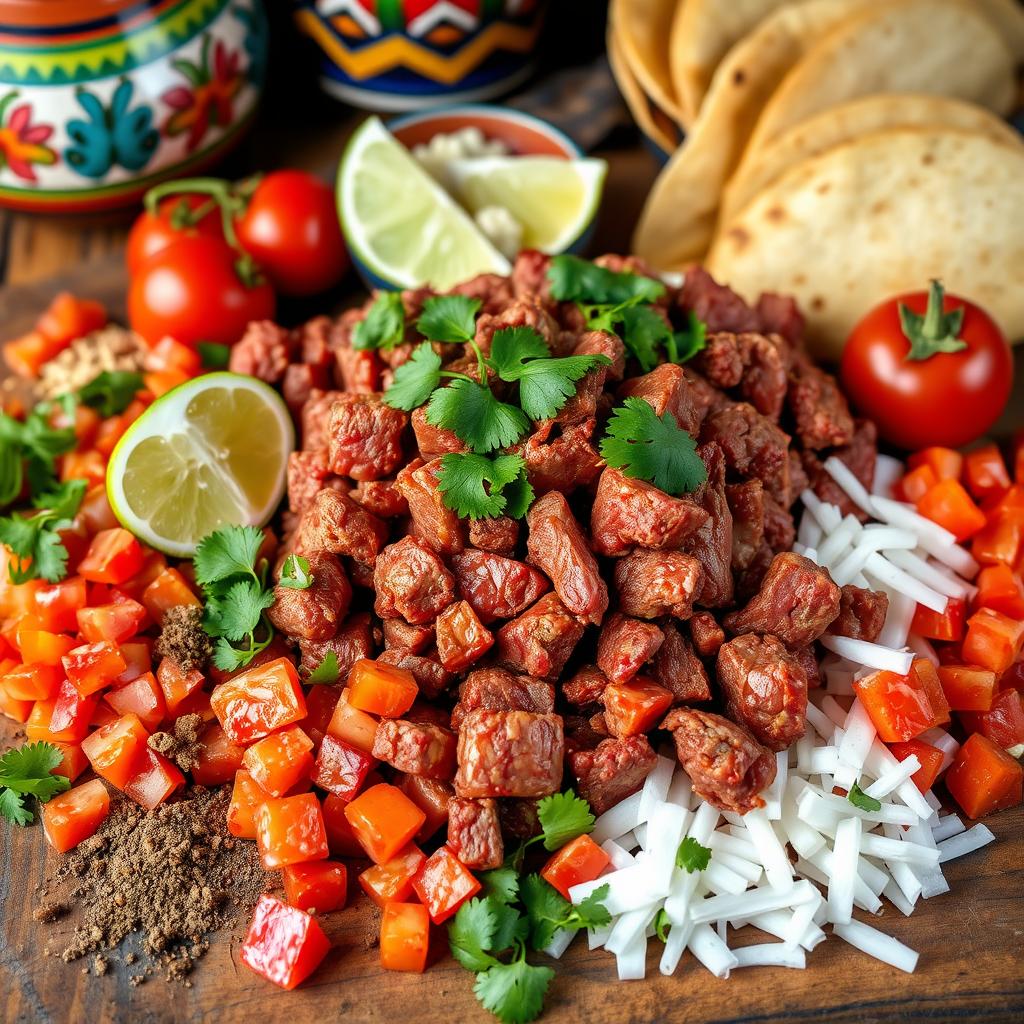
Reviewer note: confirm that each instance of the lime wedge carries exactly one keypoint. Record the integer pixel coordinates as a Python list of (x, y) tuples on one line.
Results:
[(553, 199), (213, 451), (400, 223)]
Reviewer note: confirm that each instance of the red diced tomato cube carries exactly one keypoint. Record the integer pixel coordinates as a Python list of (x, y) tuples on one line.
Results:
[(290, 830), (138, 660), (633, 707), (1001, 589), (967, 687), (116, 751), (341, 768), (925, 675), (917, 483), (168, 590), (355, 727), (341, 839), (993, 640), (93, 666), (1003, 723), (984, 778), (945, 463), (431, 796), (246, 799), (113, 557), (580, 860), (443, 884), (949, 625), (119, 620), (280, 760), (217, 759), (949, 505), (404, 938), (985, 472), (384, 819), (929, 756), (317, 887), (177, 684), (391, 882), (252, 705), (284, 944), (999, 542), (320, 704), (73, 761), (154, 780), (898, 705), (41, 647), (32, 682), (381, 689), (72, 817), (71, 714), (142, 697)]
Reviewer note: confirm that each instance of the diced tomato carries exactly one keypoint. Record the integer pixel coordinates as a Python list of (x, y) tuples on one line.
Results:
[(949, 505), (247, 797), (114, 556), (142, 697), (217, 758), (153, 564), (999, 541), (76, 543), (404, 938), (341, 768), (321, 700), (280, 760), (168, 590), (116, 751), (154, 780), (1002, 590), (42, 647), (95, 513), (929, 756), (340, 838), (177, 684), (68, 318), (580, 860), (917, 483), (74, 816), (119, 620), (57, 604), (634, 707), (945, 463), (71, 714), (93, 666), (993, 640), (32, 682), (967, 687), (898, 705), (290, 830), (26, 355), (443, 884), (925, 675), (138, 659), (391, 882), (380, 689), (384, 820), (255, 703), (318, 887), (431, 796), (284, 944), (985, 472), (1013, 677), (1003, 723), (984, 778), (168, 354), (160, 383), (12, 707), (104, 713), (73, 761), (949, 625), (355, 727)]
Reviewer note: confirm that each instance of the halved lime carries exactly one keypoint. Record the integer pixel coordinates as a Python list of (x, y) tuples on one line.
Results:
[(401, 223), (213, 451), (553, 199)]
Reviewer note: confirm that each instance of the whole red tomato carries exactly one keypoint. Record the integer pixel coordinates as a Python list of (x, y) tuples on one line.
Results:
[(291, 228), (928, 368), (173, 218), (193, 291)]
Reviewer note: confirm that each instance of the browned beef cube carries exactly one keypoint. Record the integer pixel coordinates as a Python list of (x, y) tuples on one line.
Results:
[(432, 521), (411, 581), (861, 613), (779, 314), (721, 360), (353, 640), (726, 765), (746, 505), (299, 382), (314, 341), (753, 447), (359, 371), (530, 274), (707, 635), (766, 359), (602, 343), (336, 523), (808, 659), (430, 675), (765, 689), (400, 636), (540, 641), (626, 645), (461, 637), (263, 351), (308, 474), (798, 480), (509, 753), (557, 546), (432, 441), (500, 690), (381, 497), (613, 770), (520, 312), (493, 290), (748, 581), (671, 388), (715, 304), (499, 534), (313, 613), (655, 583), (316, 415), (711, 545), (859, 455), (365, 437), (416, 748), (585, 687), (677, 668), (496, 587), (779, 528), (796, 602), (474, 833), (822, 416), (563, 461), (629, 513), (519, 818)]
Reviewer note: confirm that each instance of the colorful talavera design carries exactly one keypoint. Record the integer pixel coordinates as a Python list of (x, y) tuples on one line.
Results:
[(92, 114), (396, 54)]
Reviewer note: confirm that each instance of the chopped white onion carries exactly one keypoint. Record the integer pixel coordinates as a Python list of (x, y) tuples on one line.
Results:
[(926, 573), (878, 945), (711, 951), (965, 842), (770, 954), (655, 788), (560, 943), (888, 472), (893, 777), (949, 825), (773, 853), (869, 654), (845, 855), (855, 490), (883, 569), (618, 820), (631, 964)]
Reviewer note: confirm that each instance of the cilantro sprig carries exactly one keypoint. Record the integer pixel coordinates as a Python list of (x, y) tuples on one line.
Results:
[(34, 540), (692, 856), (27, 771), (384, 324), (860, 799), (29, 448), (327, 672), (477, 486), (574, 279), (237, 594), (295, 574), (111, 392)]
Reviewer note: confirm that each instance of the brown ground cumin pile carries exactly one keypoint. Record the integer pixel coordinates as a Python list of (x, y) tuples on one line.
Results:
[(169, 878)]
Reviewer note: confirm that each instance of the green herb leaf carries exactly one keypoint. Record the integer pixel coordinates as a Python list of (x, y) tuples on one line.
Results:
[(476, 416), (450, 318), (295, 574), (684, 345), (111, 392), (26, 771), (511, 927), (692, 856), (511, 347), (213, 355), (860, 799), (37, 547), (13, 809), (578, 280), (471, 933), (475, 485), (650, 448), (643, 330), (662, 925), (415, 380), (549, 912), (545, 385), (33, 446), (384, 324), (563, 817), (501, 884), (228, 551), (64, 500), (513, 992), (326, 672), (238, 612), (228, 658)]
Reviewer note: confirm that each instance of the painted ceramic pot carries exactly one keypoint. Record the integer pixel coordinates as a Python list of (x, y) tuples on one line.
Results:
[(99, 99), (409, 54)]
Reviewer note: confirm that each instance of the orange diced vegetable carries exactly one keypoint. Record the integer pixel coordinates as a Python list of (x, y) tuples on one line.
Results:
[(949, 505), (898, 705), (945, 463), (384, 820), (42, 647), (984, 778), (93, 666), (341, 839), (32, 682), (351, 725), (118, 620), (317, 887), (341, 768), (391, 882), (57, 604), (168, 354), (27, 354), (1003, 723), (321, 700), (925, 674), (72, 817), (1001, 589), (404, 938), (635, 706), (73, 761), (580, 860), (68, 318), (19, 710), (279, 761), (177, 684), (443, 884), (95, 513), (154, 780), (999, 541), (142, 697), (967, 687), (917, 483), (113, 557), (138, 658), (160, 383), (929, 756), (71, 714), (985, 472), (116, 751), (949, 625), (290, 830), (217, 759), (246, 799), (252, 705), (284, 944), (993, 640), (380, 689), (431, 796), (168, 590)]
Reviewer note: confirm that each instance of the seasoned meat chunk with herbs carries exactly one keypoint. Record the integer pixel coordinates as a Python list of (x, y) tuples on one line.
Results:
[(498, 535), (416, 748), (707, 635), (313, 613), (861, 613), (352, 641), (497, 689), (474, 833), (630, 513), (796, 602), (779, 528), (678, 669), (411, 581), (562, 460), (432, 521), (711, 545), (334, 522), (822, 416), (509, 753), (432, 440), (726, 765), (365, 437), (399, 635), (461, 637), (263, 351), (602, 343), (613, 770), (431, 676), (766, 360), (753, 447), (625, 645), (809, 663), (493, 290), (316, 416), (651, 584), (540, 641), (520, 312), (585, 687), (496, 587), (717, 305), (308, 474), (671, 388), (557, 545), (381, 497), (746, 505), (765, 688)]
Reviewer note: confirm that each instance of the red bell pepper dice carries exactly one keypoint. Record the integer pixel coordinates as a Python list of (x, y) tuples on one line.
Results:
[(279, 761), (259, 701), (945, 463), (383, 819), (284, 944), (993, 640), (341, 840), (117, 751), (929, 756), (41, 647), (113, 557), (917, 483), (290, 830), (317, 887), (58, 603), (142, 697), (392, 882), (984, 778), (177, 685), (999, 541), (341, 768), (351, 725), (217, 759), (925, 675), (155, 779), (72, 817), (898, 705), (581, 860), (93, 666), (1003, 723), (404, 938), (949, 625), (443, 883), (381, 689), (117, 621), (168, 590), (1001, 589), (985, 472)]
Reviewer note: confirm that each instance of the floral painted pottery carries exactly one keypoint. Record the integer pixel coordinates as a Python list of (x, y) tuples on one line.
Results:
[(99, 99), (407, 54)]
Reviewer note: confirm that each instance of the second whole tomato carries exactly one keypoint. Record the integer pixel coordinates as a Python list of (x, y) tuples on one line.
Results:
[(184, 215), (193, 290)]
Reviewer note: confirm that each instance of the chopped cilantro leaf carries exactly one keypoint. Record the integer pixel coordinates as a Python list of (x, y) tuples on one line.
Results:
[(563, 817), (643, 330), (545, 385), (415, 380), (450, 318), (511, 347), (228, 551), (692, 856), (213, 355), (513, 992), (384, 324), (684, 345), (471, 933), (38, 549), (662, 925), (474, 485), (64, 500), (295, 574), (549, 912), (472, 412), (32, 447), (578, 280), (860, 799), (111, 392), (326, 672), (27, 771), (502, 884)]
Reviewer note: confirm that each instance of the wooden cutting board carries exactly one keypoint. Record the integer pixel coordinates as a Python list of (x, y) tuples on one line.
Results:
[(971, 940)]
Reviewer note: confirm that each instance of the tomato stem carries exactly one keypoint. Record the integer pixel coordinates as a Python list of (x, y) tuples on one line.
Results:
[(936, 331)]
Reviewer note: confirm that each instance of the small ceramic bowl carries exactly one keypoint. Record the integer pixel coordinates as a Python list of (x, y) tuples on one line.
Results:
[(99, 99)]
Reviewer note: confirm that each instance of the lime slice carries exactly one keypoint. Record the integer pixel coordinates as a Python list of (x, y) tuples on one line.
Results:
[(400, 223), (553, 199), (211, 452)]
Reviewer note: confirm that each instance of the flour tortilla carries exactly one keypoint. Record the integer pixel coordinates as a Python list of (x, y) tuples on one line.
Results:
[(943, 47), (679, 216), (643, 28), (657, 126), (879, 216), (1008, 18), (832, 127)]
